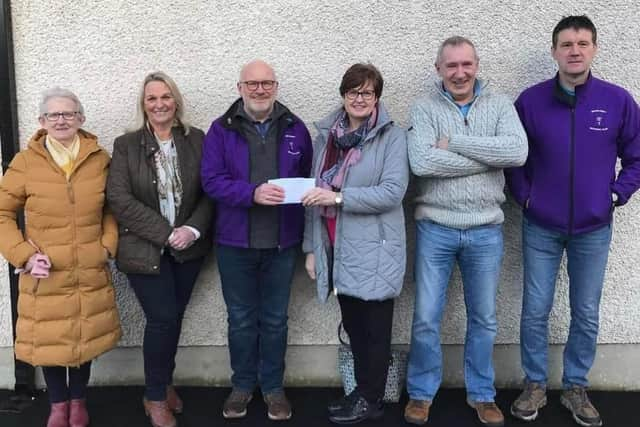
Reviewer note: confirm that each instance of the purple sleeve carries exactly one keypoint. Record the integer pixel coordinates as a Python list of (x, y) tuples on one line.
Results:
[(307, 158), (628, 180), (517, 179), (217, 180)]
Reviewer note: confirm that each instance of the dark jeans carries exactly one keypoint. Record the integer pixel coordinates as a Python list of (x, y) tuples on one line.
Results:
[(164, 298), (59, 389), (256, 284), (368, 324)]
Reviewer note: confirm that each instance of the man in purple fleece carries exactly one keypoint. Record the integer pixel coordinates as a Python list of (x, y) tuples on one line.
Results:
[(258, 240), (577, 126)]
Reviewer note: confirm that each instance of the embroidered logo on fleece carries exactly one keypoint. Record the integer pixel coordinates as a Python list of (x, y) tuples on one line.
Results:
[(290, 139), (599, 120)]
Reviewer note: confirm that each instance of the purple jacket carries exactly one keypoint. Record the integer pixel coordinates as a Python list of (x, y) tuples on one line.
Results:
[(570, 174), (225, 177)]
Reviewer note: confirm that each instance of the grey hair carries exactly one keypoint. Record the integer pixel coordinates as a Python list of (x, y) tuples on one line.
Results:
[(58, 92), (141, 115), (455, 41)]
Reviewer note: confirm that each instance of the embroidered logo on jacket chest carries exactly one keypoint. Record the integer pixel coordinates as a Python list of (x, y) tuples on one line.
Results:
[(598, 121), (290, 140)]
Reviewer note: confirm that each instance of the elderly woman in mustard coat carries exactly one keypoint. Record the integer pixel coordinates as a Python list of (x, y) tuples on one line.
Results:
[(67, 314)]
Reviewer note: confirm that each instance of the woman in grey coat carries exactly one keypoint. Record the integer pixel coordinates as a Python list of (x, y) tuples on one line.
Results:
[(354, 233)]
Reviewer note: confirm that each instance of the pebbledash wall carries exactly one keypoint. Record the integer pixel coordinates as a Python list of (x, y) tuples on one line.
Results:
[(102, 51)]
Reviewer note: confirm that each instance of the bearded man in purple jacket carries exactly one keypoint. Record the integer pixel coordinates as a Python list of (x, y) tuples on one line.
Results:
[(577, 126), (258, 239)]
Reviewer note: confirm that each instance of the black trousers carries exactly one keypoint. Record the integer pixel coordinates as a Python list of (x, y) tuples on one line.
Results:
[(59, 389), (368, 324), (25, 376)]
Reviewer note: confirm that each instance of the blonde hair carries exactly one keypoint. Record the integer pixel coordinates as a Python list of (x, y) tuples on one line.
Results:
[(141, 115)]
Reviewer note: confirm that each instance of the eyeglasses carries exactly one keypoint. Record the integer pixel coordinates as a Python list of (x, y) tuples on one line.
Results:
[(367, 95), (67, 115), (253, 84)]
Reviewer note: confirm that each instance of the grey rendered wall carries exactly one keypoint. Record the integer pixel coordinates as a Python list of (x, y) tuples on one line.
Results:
[(102, 50)]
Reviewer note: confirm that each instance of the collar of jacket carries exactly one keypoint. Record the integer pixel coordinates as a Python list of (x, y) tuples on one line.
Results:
[(324, 126), (88, 145), (580, 90), (150, 143), (231, 121)]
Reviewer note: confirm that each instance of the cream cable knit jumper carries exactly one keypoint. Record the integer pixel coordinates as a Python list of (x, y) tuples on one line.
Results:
[(462, 186)]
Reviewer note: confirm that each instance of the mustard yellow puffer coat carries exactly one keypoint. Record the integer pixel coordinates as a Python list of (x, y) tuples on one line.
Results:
[(70, 317)]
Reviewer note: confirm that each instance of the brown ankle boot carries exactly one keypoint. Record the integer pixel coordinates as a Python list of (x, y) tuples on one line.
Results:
[(159, 413), (59, 415), (173, 400), (78, 415)]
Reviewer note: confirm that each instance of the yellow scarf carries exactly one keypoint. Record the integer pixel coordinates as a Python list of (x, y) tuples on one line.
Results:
[(63, 156)]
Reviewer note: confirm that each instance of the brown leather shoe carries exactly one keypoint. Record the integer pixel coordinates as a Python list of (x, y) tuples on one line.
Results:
[(417, 411), (59, 415), (159, 413), (488, 413), (78, 415), (174, 401)]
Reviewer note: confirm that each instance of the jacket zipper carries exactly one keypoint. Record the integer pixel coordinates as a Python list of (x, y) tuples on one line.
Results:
[(333, 269), (473, 102), (72, 199), (572, 168), (282, 129), (338, 228), (383, 238)]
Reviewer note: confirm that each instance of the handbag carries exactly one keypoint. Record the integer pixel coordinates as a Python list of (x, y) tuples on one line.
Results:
[(396, 375)]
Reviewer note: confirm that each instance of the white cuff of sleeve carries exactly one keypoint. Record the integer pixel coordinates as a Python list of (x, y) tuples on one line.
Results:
[(194, 231)]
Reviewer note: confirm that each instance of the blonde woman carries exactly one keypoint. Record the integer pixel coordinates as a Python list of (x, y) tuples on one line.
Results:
[(155, 194)]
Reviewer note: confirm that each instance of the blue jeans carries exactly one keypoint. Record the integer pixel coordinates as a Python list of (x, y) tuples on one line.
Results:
[(163, 298), (256, 284), (587, 256), (478, 252)]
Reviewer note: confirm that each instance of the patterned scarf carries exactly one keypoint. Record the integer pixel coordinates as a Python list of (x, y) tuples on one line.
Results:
[(63, 156), (169, 184), (342, 151)]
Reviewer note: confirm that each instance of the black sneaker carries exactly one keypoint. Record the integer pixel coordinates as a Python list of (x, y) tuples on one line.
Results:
[(339, 404), (358, 410)]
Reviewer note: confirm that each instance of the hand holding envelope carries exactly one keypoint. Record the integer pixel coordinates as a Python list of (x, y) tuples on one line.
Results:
[(294, 188)]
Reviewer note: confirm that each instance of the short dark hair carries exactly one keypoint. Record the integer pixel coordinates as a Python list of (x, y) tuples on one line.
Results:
[(358, 75), (576, 22)]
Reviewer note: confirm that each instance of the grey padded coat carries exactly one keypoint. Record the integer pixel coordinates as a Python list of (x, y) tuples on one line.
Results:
[(370, 246)]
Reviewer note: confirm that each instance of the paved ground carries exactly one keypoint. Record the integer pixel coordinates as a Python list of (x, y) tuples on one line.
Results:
[(121, 406)]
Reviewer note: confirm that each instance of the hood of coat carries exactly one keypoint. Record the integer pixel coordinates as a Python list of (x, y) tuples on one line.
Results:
[(324, 126)]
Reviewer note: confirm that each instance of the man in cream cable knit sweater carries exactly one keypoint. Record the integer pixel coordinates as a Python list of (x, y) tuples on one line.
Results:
[(461, 137)]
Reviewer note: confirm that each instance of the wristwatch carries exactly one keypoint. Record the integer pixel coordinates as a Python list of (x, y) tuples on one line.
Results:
[(339, 199)]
